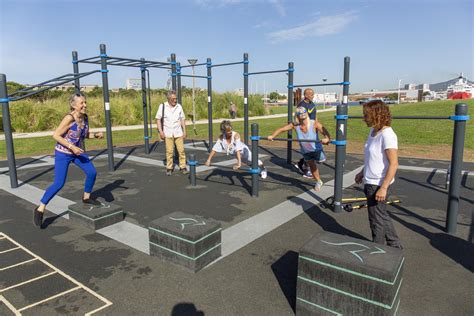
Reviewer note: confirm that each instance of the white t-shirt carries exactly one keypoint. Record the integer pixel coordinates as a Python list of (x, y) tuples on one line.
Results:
[(222, 146), (172, 121), (375, 159)]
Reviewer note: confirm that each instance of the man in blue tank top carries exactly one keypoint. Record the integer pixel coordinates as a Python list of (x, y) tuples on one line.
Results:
[(308, 103)]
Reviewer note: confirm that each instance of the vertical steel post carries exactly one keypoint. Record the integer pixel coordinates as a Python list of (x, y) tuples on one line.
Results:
[(105, 91), (209, 101), (7, 128), (290, 111), (460, 118), (246, 98), (75, 67), (341, 126), (173, 72), (145, 109), (255, 167), (178, 77), (192, 169)]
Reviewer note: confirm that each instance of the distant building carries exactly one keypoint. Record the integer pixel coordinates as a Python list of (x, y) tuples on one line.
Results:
[(239, 92), (133, 84), (424, 87), (328, 97), (410, 86)]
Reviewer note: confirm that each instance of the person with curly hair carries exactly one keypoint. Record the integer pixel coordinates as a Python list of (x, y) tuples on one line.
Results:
[(380, 167)]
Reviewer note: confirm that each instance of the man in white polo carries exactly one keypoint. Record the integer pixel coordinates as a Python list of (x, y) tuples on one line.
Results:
[(173, 131)]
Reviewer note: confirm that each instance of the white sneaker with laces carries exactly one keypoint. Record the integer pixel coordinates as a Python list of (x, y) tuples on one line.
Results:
[(319, 184)]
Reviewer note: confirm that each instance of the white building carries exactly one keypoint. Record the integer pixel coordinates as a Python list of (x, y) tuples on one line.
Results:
[(327, 97), (134, 84), (424, 87), (410, 86)]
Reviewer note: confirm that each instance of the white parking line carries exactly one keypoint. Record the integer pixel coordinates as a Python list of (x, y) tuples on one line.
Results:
[(28, 281), (49, 298), (9, 306), (8, 250), (17, 264), (78, 284)]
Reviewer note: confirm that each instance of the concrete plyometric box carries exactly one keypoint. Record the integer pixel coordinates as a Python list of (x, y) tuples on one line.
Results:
[(187, 240), (340, 275)]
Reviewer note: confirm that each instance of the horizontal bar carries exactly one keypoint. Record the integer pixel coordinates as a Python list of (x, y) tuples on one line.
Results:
[(227, 64), (293, 140), (119, 62), (267, 72), (87, 59), (191, 76), (408, 117), (318, 85), (95, 62), (200, 64), (74, 77), (39, 84), (138, 60)]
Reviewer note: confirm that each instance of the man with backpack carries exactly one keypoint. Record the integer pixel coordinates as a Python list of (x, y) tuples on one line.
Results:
[(171, 123)]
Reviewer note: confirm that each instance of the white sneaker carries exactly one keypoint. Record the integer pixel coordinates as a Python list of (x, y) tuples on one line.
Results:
[(319, 184), (263, 173)]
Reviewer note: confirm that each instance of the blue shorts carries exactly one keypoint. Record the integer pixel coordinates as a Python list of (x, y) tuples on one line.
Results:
[(317, 156)]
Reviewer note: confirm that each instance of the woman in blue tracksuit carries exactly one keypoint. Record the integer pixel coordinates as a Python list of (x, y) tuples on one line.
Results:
[(70, 135)]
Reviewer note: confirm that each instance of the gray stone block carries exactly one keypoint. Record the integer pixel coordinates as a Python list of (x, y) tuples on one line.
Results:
[(95, 217), (339, 275), (187, 240)]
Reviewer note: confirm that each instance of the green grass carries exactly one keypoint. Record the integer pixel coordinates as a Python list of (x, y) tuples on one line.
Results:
[(278, 109), (411, 132)]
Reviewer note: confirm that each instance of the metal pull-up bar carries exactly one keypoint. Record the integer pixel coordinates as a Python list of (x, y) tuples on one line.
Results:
[(405, 117), (265, 72), (321, 84), (30, 91)]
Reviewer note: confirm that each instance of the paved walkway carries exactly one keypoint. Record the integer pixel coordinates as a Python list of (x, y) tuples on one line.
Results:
[(131, 127)]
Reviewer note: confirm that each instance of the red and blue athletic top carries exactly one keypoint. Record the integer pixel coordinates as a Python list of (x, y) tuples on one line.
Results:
[(74, 135)]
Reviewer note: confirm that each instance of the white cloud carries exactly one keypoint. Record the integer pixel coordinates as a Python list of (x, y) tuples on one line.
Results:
[(278, 7), (323, 26), (210, 4), (213, 4)]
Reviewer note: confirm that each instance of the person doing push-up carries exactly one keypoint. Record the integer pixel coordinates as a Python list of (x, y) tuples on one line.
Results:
[(229, 142)]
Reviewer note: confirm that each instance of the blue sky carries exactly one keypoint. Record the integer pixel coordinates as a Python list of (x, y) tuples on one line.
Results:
[(416, 41)]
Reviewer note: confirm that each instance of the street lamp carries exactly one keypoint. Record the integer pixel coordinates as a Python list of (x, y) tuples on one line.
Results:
[(398, 98), (324, 80), (192, 62)]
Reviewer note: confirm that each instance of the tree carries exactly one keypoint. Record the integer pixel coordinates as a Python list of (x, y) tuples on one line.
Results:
[(273, 96), (13, 86), (392, 96)]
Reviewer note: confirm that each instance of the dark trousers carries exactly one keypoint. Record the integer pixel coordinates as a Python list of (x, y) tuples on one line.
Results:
[(380, 222)]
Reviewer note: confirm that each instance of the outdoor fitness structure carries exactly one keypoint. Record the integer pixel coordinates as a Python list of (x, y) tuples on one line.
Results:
[(460, 117)]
